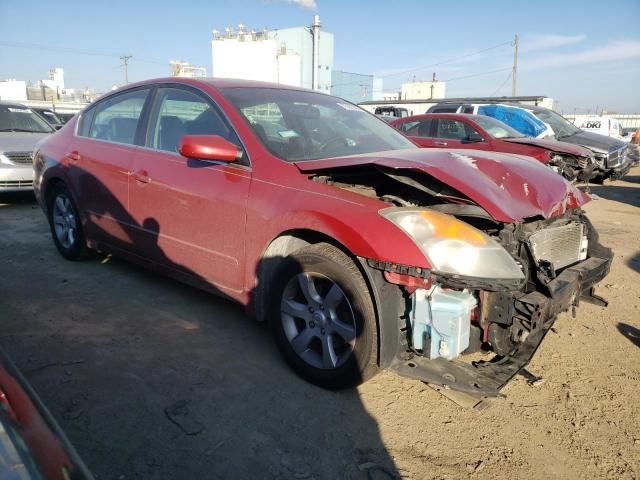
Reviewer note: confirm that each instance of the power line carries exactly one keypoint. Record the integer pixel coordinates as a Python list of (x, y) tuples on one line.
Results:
[(441, 62), (479, 74), (125, 64), (502, 84), (448, 60), (76, 51)]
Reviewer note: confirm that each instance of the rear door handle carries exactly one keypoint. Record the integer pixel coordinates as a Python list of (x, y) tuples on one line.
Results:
[(141, 176), (75, 156), (444, 144)]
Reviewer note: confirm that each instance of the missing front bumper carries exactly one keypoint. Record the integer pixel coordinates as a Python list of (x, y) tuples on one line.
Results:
[(487, 378)]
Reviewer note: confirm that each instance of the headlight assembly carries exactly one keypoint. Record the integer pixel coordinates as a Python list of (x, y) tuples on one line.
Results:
[(454, 247)]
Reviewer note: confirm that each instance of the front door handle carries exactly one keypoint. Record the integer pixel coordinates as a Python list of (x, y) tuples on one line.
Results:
[(141, 176), (444, 144), (74, 155)]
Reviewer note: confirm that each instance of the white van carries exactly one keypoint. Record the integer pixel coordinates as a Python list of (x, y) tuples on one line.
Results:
[(598, 124)]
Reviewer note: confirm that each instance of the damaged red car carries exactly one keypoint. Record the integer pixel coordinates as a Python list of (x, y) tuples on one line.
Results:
[(360, 249), (479, 132)]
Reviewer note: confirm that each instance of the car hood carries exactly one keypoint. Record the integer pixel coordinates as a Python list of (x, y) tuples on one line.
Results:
[(594, 141), (20, 141), (553, 145), (511, 188)]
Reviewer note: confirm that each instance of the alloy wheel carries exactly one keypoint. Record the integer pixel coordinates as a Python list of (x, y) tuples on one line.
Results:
[(65, 222), (318, 320)]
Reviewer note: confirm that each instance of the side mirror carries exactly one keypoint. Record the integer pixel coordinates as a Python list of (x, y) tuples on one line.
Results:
[(209, 147)]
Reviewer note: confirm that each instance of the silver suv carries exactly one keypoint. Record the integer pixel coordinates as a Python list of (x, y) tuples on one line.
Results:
[(20, 130)]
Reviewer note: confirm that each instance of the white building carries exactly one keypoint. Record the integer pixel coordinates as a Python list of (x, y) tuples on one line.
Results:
[(297, 56), (422, 90), (184, 69), (55, 81), (432, 90), (13, 90)]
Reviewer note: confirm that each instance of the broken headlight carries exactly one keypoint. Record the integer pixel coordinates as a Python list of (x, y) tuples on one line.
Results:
[(454, 247)]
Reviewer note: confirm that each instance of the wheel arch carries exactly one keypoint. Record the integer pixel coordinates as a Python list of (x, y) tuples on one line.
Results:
[(290, 241)]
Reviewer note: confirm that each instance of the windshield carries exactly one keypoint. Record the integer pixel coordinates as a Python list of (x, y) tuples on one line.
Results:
[(560, 125), (296, 125), (21, 119), (496, 128)]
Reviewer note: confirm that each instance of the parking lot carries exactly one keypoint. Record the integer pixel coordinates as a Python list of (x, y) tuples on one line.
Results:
[(152, 379)]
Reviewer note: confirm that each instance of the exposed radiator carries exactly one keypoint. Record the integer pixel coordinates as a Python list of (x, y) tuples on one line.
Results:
[(561, 246)]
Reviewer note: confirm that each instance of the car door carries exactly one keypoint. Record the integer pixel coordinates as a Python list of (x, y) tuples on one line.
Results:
[(419, 131), (189, 214), (100, 158), (454, 133)]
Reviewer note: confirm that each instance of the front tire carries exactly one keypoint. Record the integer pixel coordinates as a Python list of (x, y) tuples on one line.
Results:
[(322, 318), (66, 227)]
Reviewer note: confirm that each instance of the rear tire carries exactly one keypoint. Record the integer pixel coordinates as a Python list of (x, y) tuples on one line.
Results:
[(65, 224), (322, 318)]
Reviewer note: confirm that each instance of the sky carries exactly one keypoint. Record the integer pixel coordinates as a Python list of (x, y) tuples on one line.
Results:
[(584, 54)]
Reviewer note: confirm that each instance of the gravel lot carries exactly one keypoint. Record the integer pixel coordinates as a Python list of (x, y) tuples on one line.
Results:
[(152, 379)]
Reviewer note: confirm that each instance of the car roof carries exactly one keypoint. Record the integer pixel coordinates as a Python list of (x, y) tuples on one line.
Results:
[(13, 104), (219, 83), (424, 116)]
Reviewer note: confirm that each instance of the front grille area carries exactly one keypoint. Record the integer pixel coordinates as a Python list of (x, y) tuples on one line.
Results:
[(560, 246), (616, 158), (583, 162), (20, 158), (15, 183)]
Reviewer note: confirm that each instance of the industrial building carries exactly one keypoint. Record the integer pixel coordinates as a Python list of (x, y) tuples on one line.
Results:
[(434, 89), (299, 56), (355, 87), (184, 69)]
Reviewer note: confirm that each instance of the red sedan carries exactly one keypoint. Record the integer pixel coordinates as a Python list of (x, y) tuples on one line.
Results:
[(362, 250), (478, 132)]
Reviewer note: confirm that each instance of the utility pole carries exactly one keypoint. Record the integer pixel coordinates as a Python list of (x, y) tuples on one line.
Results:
[(125, 65), (514, 73)]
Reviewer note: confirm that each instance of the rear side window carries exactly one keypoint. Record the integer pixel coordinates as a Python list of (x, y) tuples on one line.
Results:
[(421, 128), (116, 118)]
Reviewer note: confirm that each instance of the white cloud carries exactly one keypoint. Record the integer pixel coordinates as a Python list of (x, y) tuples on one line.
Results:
[(306, 4), (618, 50), (543, 42)]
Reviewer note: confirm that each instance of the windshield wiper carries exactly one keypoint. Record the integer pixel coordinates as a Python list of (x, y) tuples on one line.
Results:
[(21, 130)]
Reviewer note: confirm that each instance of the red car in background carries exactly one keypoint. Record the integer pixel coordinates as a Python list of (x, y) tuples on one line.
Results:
[(360, 249), (479, 132)]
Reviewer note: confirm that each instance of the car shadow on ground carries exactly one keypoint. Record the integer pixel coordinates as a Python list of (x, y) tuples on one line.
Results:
[(634, 262), (153, 379), (630, 333), (617, 192)]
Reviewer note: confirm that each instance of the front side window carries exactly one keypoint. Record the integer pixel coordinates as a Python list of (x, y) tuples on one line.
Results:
[(454, 130), (21, 119), (181, 112), (116, 118), (297, 125)]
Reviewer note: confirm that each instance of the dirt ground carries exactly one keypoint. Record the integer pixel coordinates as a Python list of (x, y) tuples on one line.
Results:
[(154, 380)]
